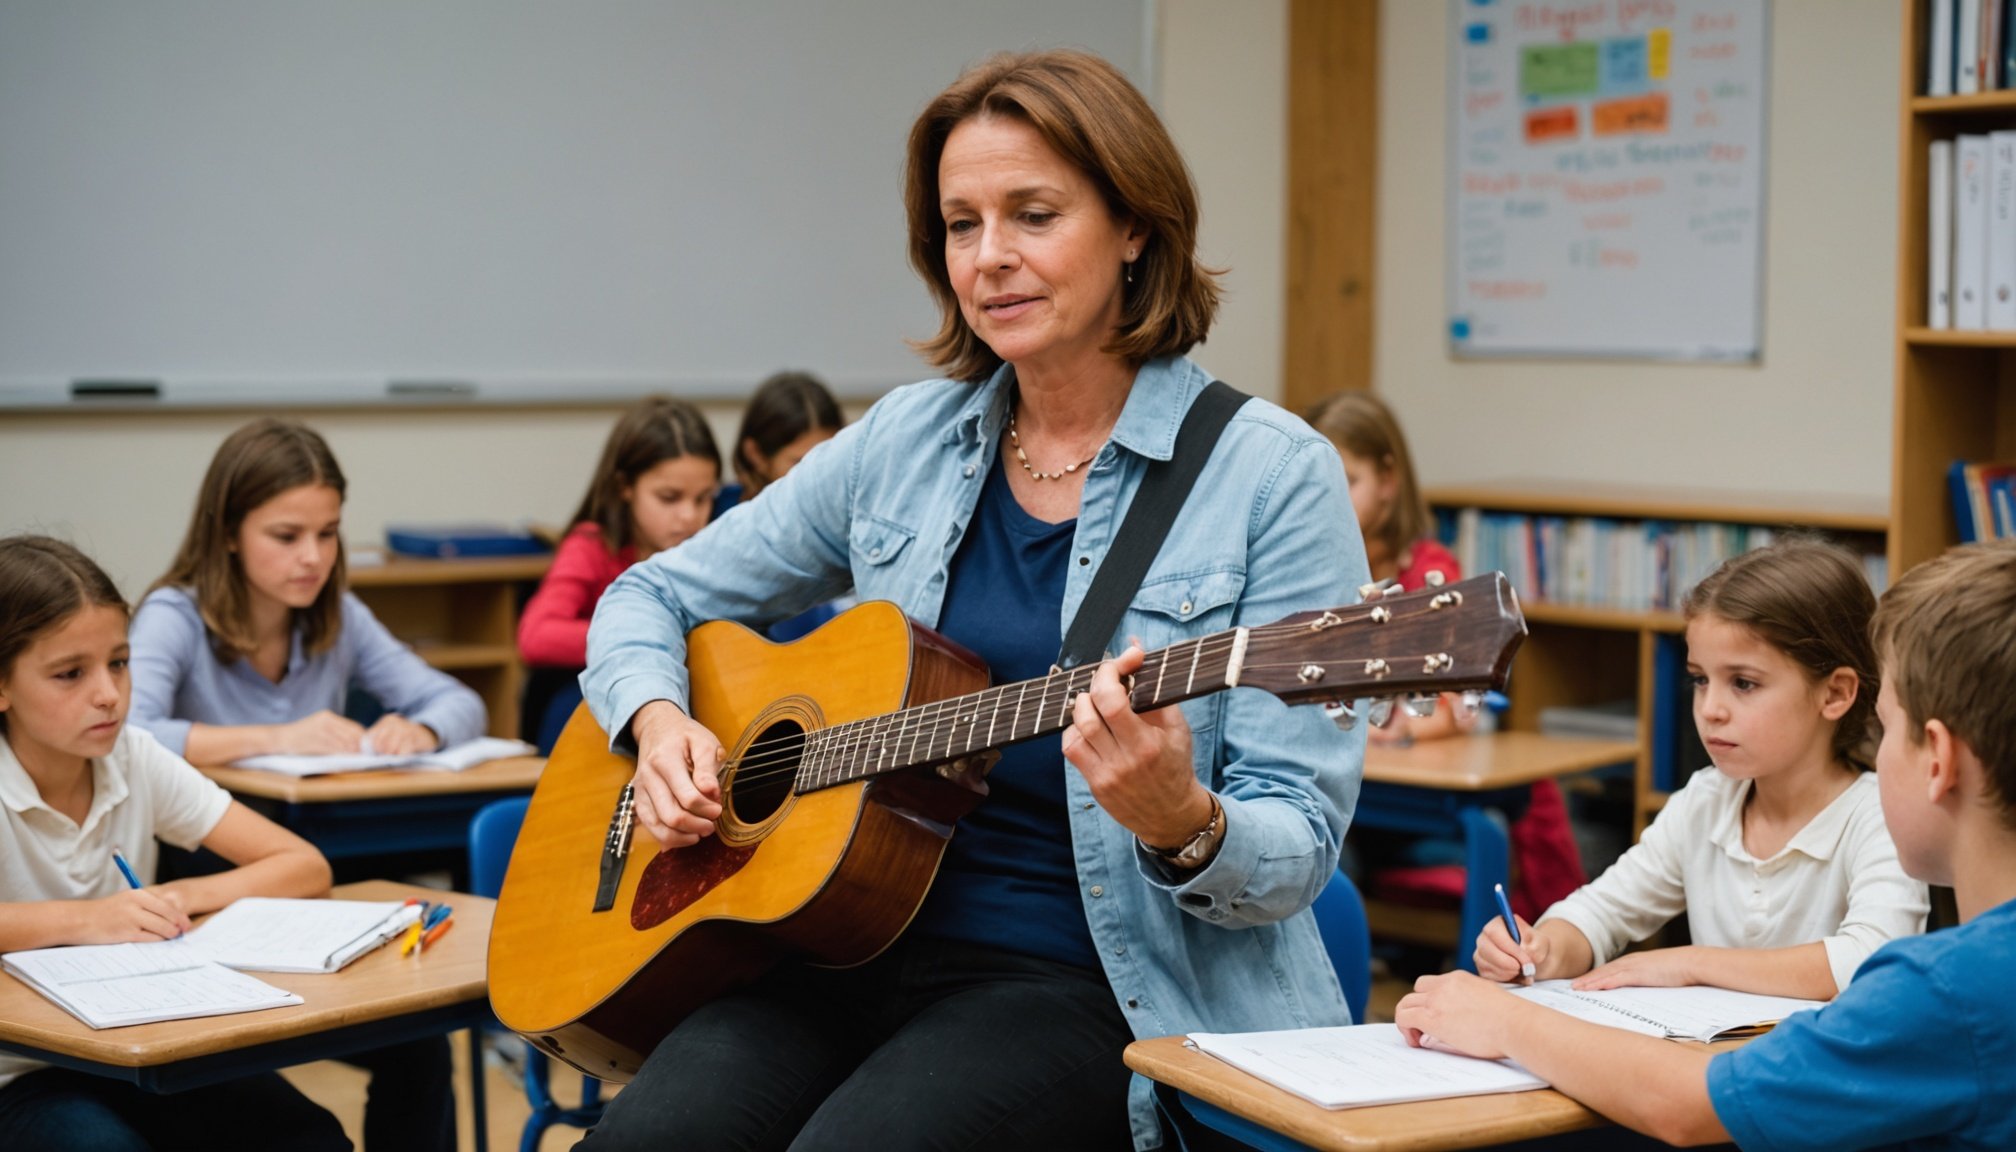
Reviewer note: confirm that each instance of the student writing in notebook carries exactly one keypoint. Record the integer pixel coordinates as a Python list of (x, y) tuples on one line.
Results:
[(78, 783), (1777, 852), (1913, 1054), (250, 644)]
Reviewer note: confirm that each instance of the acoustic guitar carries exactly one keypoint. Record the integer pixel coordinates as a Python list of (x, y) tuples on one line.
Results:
[(851, 755)]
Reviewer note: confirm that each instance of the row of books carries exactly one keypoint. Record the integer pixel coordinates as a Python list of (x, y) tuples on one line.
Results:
[(1968, 48), (1629, 565), (1984, 500), (1971, 238)]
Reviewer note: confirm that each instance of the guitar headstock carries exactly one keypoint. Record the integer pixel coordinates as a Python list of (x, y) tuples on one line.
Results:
[(1452, 638)]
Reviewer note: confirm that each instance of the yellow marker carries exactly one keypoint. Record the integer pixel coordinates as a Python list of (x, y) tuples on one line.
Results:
[(412, 939)]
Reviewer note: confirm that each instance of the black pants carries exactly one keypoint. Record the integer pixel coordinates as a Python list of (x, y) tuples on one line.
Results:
[(933, 1045), (409, 1104), (58, 1108)]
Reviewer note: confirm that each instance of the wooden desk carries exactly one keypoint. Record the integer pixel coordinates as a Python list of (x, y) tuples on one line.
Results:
[(351, 814), (1252, 1109), (383, 998), (1459, 788), (460, 616)]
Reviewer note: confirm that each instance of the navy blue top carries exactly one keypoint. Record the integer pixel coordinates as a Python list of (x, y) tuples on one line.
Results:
[(1009, 880)]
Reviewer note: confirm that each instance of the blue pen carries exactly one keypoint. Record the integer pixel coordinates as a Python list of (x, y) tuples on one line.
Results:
[(435, 915), (1511, 923), (125, 869)]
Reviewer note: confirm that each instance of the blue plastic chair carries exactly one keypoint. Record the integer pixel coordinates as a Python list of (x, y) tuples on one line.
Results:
[(491, 836), (1340, 920)]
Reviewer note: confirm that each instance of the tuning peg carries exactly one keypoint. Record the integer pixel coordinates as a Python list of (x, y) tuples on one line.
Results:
[(1435, 577), (1419, 705), (1373, 591), (1381, 712), (1472, 701), (1341, 714)]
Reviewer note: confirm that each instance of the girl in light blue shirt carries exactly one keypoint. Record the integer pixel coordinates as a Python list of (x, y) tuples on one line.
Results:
[(250, 642), (249, 645)]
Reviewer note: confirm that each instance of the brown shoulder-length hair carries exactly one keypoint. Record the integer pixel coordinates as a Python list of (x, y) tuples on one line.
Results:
[(1087, 111), (785, 407), (44, 582), (1809, 599), (1361, 424), (254, 464), (655, 429)]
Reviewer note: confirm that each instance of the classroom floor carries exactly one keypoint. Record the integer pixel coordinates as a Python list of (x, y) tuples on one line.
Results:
[(340, 1088)]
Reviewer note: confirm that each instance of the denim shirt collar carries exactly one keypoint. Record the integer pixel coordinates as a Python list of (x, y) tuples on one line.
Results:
[(1156, 404)]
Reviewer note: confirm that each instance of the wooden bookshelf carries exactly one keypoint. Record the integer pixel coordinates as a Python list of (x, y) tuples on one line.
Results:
[(1955, 390), (460, 616), (1586, 654)]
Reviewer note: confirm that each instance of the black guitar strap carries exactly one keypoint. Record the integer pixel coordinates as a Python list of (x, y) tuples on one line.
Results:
[(1163, 490)]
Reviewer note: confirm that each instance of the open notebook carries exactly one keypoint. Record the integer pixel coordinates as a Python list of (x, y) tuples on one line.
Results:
[(112, 985), (268, 934), (467, 754), (1691, 1013), (1359, 1065)]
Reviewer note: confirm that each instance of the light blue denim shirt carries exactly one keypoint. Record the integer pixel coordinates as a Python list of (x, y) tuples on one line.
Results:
[(1267, 531), (178, 680)]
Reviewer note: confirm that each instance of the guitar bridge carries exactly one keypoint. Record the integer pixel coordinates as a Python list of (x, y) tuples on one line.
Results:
[(615, 850)]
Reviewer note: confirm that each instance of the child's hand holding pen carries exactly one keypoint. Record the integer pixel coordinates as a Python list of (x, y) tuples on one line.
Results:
[(1508, 949), (131, 916)]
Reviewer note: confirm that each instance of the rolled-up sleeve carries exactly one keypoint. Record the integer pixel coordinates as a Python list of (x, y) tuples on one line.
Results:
[(1289, 779), (165, 638), (765, 560), (406, 684), (1883, 903), (1644, 889)]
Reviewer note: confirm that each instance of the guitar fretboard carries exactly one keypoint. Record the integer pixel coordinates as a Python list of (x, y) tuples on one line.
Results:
[(946, 730)]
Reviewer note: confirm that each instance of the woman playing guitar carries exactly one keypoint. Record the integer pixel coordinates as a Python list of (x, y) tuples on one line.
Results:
[(1139, 875)]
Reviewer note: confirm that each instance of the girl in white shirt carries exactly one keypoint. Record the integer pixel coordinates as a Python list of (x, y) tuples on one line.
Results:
[(78, 784), (1777, 853)]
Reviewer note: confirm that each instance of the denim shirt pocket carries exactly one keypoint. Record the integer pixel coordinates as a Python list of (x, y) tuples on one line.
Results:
[(1170, 609), (873, 546)]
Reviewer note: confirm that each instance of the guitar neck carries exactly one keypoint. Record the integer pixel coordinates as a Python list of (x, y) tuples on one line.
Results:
[(960, 726)]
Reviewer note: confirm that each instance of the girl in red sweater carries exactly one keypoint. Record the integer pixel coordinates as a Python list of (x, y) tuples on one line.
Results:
[(653, 489), (1400, 545)]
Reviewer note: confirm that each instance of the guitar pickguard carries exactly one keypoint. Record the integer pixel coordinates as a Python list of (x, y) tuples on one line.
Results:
[(674, 880)]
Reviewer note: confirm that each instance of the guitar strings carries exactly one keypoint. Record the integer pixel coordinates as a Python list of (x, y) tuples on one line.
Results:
[(1212, 645), (843, 742), (844, 751)]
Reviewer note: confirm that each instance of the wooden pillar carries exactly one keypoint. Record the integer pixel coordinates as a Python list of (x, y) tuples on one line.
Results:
[(1333, 153)]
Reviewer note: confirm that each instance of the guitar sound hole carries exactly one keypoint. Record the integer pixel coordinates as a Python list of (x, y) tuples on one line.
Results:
[(769, 765)]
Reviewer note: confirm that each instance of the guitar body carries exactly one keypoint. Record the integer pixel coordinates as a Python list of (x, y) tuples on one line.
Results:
[(831, 875)]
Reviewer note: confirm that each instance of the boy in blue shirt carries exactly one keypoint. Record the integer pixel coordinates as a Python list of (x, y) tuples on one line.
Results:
[(1919, 1051)]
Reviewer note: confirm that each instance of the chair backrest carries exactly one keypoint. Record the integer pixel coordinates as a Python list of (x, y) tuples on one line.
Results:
[(1340, 918), (491, 836)]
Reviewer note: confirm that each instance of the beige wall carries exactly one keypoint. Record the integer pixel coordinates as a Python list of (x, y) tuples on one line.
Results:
[(121, 487), (1814, 416)]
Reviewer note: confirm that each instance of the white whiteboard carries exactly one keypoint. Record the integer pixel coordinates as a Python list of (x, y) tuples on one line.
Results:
[(535, 199), (1606, 188)]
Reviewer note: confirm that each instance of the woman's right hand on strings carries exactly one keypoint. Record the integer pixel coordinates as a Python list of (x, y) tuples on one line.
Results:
[(131, 916), (322, 734), (1498, 958), (678, 793)]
